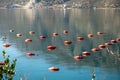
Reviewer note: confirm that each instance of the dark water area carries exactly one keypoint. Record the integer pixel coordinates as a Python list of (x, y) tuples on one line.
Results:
[(79, 23)]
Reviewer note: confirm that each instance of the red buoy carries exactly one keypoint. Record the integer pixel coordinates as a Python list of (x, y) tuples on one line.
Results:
[(118, 39), (19, 35), (78, 57), (42, 37), (101, 46), (65, 32), (6, 45), (67, 42), (53, 69), (99, 33), (113, 41), (30, 54), (86, 53), (95, 49), (4, 37), (1, 63), (51, 48), (11, 30), (31, 32), (28, 40), (108, 44), (55, 34), (90, 35), (80, 38)]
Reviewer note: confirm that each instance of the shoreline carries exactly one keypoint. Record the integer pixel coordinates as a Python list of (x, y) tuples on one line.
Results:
[(34, 5), (49, 7)]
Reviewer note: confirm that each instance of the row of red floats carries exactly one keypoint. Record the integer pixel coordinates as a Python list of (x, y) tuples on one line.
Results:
[(94, 49), (32, 32), (84, 54), (78, 38), (51, 47), (54, 34), (68, 42), (97, 49)]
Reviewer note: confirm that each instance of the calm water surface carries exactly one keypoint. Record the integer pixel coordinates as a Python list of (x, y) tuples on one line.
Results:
[(78, 23)]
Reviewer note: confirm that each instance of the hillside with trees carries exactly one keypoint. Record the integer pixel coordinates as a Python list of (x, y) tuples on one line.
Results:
[(71, 3), (86, 3)]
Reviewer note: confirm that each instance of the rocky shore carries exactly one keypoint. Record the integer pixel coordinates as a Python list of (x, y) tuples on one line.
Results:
[(68, 5)]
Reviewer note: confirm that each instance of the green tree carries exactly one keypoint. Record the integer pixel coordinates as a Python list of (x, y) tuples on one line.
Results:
[(7, 69)]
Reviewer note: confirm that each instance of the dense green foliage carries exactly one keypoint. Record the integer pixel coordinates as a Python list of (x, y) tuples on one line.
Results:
[(93, 3), (7, 70), (96, 3)]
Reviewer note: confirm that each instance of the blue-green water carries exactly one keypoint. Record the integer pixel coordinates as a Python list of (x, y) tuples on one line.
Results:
[(78, 23)]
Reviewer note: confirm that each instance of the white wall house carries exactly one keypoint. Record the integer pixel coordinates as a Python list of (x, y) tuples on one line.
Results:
[(30, 4)]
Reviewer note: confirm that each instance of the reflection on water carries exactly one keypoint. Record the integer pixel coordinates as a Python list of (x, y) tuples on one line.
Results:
[(78, 23)]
